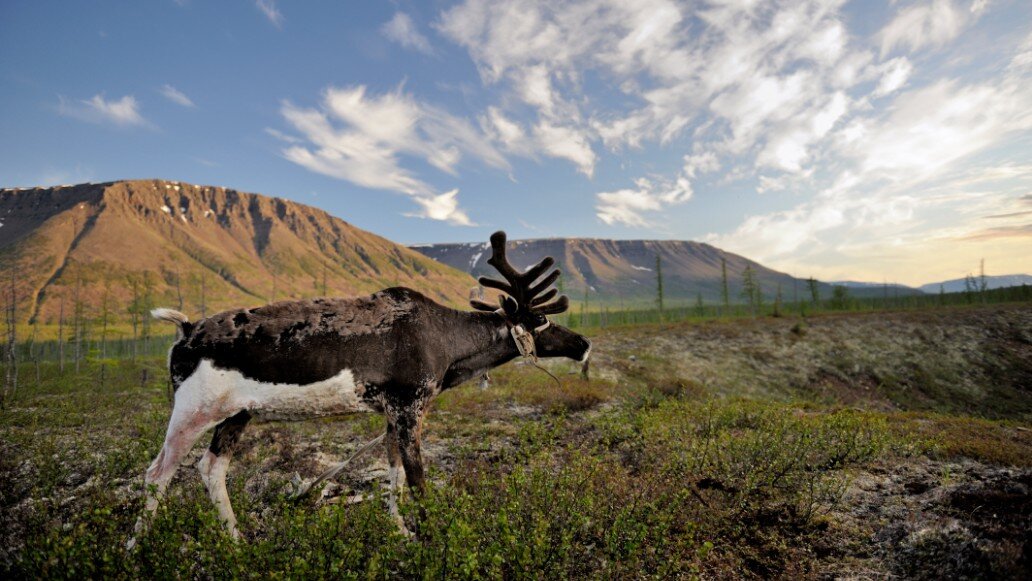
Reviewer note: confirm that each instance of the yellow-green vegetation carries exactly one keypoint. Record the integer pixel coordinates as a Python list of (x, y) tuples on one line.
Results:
[(653, 468)]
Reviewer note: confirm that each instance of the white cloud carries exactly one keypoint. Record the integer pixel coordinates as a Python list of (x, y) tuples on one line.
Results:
[(775, 235), (444, 207), (506, 131), (904, 189), (896, 73), (628, 206), (124, 112), (567, 143), (977, 6), (788, 146), (269, 9), (700, 163), (536, 90), (176, 96), (402, 30), (361, 138), (930, 128), (1022, 59), (779, 91), (752, 66), (921, 25), (769, 184)]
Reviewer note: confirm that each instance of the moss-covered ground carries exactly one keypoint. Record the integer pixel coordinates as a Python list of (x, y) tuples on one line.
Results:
[(865, 446)]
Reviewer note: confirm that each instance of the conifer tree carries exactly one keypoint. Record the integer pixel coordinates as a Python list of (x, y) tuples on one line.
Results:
[(724, 295), (750, 288), (815, 290)]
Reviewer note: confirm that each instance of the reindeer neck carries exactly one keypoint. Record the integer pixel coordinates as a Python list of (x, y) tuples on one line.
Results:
[(486, 344)]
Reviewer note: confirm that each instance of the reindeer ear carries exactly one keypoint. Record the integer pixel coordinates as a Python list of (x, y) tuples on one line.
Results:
[(510, 306)]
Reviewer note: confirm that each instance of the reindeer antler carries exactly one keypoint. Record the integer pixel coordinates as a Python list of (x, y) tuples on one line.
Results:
[(519, 285)]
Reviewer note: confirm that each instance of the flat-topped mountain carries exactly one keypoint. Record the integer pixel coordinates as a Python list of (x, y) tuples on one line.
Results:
[(193, 247)]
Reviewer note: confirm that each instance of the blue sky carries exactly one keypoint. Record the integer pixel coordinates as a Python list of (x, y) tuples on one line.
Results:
[(865, 140)]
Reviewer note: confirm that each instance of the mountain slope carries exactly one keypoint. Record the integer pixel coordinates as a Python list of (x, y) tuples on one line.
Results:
[(625, 270), (194, 245), (957, 285)]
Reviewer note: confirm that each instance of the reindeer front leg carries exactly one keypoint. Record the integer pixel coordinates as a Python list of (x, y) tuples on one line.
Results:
[(409, 437), (404, 433)]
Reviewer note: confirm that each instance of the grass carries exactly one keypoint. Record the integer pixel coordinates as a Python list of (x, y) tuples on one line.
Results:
[(650, 470)]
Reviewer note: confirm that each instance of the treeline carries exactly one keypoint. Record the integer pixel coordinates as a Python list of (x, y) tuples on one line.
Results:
[(752, 300), (601, 314), (111, 328)]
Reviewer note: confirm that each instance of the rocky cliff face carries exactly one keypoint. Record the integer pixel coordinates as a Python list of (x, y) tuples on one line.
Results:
[(194, 246), (617, 271)]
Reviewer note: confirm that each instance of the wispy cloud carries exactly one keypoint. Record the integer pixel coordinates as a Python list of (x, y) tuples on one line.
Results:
[(921, 25), (749, 80), (282, 136), (65, 176), (176, 96), (360, 138), (778, 92), (402, 30), (124, 112), (630, 206), (269, 9), (1019, 231)]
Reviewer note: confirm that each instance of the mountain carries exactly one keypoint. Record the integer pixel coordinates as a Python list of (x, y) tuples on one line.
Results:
[(877, 288), (618, 271), (957, 285), (185, 245)]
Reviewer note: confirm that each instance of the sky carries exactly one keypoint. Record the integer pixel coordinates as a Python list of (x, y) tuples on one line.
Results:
[(883, 141)]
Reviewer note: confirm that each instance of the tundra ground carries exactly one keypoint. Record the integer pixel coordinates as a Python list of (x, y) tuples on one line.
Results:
[(873, 445)]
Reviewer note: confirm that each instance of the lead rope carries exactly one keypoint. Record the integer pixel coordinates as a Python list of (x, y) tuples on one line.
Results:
[(525, 345), (303, 491)]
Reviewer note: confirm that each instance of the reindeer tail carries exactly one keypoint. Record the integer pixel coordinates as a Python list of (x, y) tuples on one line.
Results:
[(172, 316)]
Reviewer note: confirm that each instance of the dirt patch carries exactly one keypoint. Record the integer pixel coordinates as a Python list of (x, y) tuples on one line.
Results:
[(926, 519)]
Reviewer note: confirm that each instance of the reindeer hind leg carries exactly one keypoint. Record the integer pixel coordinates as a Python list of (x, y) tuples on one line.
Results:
[(214, 465), (396, 475), (186, 425)]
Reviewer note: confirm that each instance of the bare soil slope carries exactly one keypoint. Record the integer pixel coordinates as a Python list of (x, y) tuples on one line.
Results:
[(186, 241)]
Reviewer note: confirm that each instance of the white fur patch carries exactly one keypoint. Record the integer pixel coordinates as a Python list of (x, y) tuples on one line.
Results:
[(213, 472), (224, 392)]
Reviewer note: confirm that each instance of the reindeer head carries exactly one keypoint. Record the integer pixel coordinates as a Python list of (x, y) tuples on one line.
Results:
[(526, 305)]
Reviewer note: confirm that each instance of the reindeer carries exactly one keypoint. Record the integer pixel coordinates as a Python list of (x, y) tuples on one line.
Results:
[(390, 353)]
